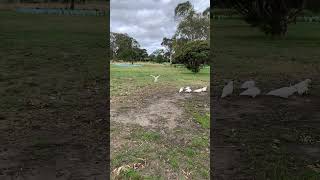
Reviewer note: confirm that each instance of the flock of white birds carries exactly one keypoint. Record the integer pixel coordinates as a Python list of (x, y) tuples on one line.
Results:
[(185, 89), (188, 89), (253, 91)]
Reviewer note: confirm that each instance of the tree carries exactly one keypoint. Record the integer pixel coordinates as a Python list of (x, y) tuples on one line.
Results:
[(183, 10), (192, 25), (158, 56), (142, 54), (271, 16), (193, 28), (194, 55), (124, 47), (72, 4), (168, 44)]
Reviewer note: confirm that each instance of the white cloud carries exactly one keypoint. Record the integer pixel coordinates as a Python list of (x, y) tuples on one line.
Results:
[(148, 21)]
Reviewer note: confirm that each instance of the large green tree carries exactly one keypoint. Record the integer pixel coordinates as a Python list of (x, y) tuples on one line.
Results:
[(191, 40), (168, 44), (191, 25), (124, 47), (194, 55), (271, 16), (158, 56)]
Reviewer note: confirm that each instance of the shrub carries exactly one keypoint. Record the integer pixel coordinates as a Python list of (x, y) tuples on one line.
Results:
[(193, 54)]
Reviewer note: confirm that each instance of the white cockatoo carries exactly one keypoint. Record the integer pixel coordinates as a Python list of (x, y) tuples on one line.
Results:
[(227, 90), (252, 91), (181, 89), (198, 90), (248, 84), (155, 78), (188, 89), (284, 92), (302, 87), (204, 89)]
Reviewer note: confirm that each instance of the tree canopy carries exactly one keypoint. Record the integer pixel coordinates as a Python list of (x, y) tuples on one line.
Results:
[(190, 43), (168, 44), (192, 25), (126, 48), (193, 55), (271, 16)]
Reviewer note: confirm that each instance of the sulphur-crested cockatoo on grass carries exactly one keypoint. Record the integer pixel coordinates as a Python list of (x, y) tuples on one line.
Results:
[(204, 89), (188, 89), (284, 92), (248, 84), (302, 87), (227, 90), (198, 90), (252, 91), (181, 89)]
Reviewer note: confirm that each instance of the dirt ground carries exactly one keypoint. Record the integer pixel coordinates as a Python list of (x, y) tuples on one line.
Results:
[(43, 141), (266, 137), (165, 114)]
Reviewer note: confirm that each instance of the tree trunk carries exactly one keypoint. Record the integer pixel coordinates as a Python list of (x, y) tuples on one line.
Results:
[(72, 4)]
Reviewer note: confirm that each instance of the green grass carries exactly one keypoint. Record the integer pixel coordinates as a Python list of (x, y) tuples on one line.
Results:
[(203, 120), (200, 141), (147, 135), (163, 152), (126, 80), (54, 54), (131, 174)]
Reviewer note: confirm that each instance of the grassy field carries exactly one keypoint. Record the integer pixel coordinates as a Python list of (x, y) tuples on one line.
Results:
[(52, 86), (161, 150), (268, 138), (127, 80)]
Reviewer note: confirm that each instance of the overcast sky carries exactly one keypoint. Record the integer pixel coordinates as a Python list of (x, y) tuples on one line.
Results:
[(148, 21)]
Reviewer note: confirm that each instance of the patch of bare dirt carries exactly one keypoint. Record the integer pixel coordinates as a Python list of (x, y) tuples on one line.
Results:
[(164, 112), (158, 111)]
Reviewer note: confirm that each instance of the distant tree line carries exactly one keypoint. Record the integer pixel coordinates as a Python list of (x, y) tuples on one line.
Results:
[(124, 47), (189, 45), (312, 5)]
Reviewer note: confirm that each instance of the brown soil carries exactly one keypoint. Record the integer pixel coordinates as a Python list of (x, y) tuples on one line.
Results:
[(237, 121), (46, 142), (159, 111), (162, 111)]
